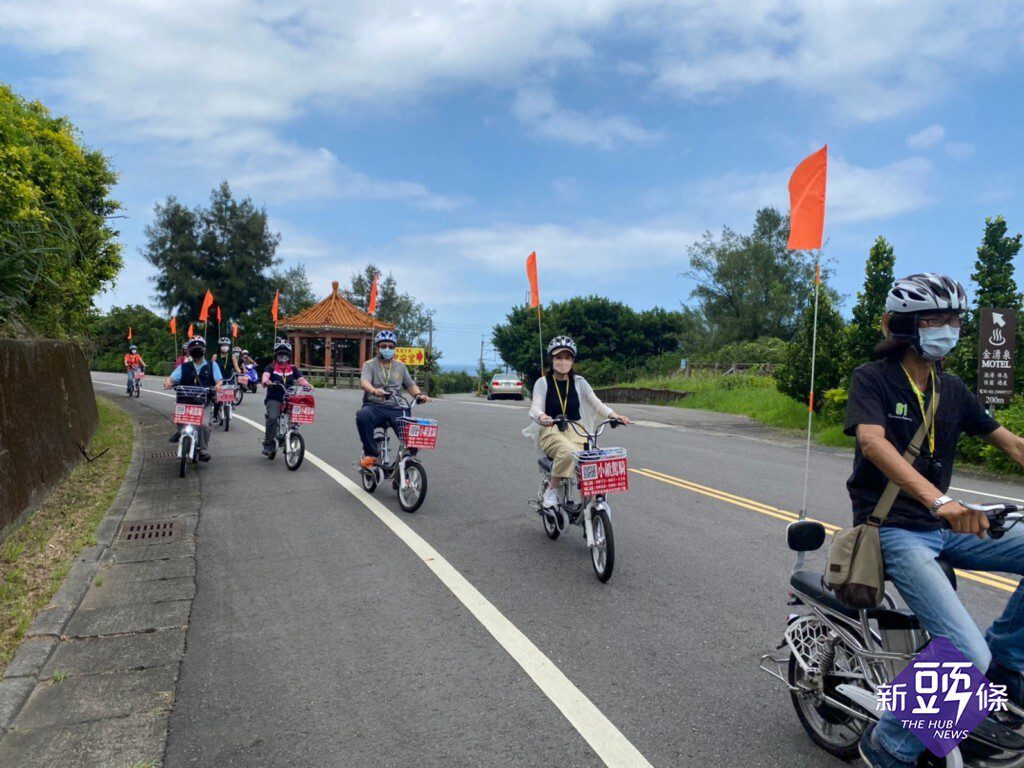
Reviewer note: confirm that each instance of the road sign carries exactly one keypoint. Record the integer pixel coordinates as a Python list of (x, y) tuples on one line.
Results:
[(411, 355), (997, 352)]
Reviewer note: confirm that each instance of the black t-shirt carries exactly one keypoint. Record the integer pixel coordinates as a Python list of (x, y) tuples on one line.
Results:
[(289, 379), (881, 394), (569, 395)]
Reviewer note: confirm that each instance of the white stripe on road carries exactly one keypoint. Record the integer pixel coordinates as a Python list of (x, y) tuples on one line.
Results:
[(596, 729)]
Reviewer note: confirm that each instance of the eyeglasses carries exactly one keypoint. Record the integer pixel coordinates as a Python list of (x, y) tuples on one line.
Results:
[(937, 321)]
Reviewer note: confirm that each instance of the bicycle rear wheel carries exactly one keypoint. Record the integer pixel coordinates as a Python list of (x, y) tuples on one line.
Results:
[(239, 394)]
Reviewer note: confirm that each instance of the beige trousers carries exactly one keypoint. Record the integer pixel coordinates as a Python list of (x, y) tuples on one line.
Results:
[(559, 446)]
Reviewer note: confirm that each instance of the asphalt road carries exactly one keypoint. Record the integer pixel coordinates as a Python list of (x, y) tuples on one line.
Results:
[(320, 636)]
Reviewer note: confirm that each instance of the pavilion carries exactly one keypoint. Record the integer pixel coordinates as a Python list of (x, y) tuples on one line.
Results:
[(332, 332)]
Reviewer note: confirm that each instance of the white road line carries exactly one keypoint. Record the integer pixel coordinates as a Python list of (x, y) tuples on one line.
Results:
[(597, 730), (990, 495)]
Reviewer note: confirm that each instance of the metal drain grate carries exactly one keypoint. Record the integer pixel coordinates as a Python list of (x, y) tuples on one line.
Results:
[(145, 532), (162, 455)]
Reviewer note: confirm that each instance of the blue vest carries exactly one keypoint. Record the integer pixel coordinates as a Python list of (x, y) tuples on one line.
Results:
[(204, 378)]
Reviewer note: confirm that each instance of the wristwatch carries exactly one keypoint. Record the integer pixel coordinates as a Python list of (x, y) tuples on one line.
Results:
[(940, 502)]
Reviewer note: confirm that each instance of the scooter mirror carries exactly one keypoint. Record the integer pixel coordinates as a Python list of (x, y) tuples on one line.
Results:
[(805, 535)]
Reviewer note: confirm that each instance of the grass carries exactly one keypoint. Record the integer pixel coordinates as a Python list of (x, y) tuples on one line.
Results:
[(749, 395), (35, 558)]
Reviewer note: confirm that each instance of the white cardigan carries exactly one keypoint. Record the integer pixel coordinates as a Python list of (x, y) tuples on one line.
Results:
[(590, 405)]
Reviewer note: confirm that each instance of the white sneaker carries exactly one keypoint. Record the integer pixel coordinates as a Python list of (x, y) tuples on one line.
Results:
[(550, 499)]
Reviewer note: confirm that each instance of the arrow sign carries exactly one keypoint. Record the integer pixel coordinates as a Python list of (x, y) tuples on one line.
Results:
[(997, 318)]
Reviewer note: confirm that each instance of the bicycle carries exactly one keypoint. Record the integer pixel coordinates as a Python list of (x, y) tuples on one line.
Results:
[(832, 658), (406, 472), (583, 502), (135, 384), (227, 398), (189, 413), (297, 408)]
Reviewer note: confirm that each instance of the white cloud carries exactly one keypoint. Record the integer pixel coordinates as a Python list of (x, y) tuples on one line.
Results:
[(926, 138), (537, 109), (855, 193), (959, 150)]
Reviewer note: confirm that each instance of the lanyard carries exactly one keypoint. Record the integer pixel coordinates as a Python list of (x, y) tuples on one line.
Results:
[(920, 402), (562, 402), (387, 381)]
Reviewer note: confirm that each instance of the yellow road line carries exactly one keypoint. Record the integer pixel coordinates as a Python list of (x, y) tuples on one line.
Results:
[(989, 579)]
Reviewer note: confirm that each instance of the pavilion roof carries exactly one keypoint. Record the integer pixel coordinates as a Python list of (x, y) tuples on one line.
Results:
[(334, 313)]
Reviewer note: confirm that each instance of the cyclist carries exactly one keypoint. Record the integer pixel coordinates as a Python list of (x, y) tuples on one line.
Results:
[(379, 374), (222, 357), (282, 372), (197, 372), (183, 357), (563, 392), (132, 362), (887, 402)]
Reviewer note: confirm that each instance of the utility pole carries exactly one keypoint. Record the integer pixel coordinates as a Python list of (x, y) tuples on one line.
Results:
[(480, 368), (430, 352)]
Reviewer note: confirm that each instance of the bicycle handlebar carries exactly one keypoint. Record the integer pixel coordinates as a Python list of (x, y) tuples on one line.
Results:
[(1001, 517), (562, 422)]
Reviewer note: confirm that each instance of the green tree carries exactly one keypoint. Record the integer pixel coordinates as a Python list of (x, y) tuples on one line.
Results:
[(613, 339), (865, 330), (993, 274), (411, 318), (794, 375), (749, 286), (108, 333), (227, 248), (57, 247), (256, 325)]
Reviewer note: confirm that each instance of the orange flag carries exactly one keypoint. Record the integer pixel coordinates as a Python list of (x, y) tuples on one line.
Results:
[(273, 307), (807, 201), (218, 313), (234, 330), (174, 325), (204, 313), (191, 331), (372, 308), (531, 272), (129, 333)]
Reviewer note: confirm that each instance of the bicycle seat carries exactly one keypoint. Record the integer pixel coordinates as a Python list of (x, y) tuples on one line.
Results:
[(545, 463), (810, 584)]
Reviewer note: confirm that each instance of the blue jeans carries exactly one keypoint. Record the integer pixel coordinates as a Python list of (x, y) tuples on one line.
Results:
[(370, 417), (910, 562)]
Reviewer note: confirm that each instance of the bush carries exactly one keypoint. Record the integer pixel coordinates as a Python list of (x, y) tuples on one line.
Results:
[(451, 382), (764, 351), (833, 405)]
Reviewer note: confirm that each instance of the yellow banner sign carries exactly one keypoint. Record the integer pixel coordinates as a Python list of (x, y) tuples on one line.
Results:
[(411, 355)]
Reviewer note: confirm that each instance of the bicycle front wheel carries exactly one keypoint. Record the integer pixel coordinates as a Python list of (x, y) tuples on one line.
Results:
[(295, 450), (602, 554), (186, 450), (413, 491)]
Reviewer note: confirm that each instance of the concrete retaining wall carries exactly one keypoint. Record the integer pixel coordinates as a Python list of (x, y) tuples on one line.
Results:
[(640, 395), (47, 409)]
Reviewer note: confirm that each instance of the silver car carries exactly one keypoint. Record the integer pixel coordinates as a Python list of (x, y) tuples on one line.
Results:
[(506, 385)]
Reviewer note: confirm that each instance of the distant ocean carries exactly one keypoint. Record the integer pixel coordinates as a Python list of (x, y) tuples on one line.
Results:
[(468, 368)]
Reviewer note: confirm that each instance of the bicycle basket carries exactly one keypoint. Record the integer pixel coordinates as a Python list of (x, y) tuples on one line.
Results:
[(419, 433), (602, 471)]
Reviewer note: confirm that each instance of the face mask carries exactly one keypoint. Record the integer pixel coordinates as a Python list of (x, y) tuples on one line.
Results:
[(562, 366), (387, 354), (282, 358), (937, 343), (196, 355), (223, 350)]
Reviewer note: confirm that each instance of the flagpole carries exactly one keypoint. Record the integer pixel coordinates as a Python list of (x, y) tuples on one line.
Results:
[(540, 341), (810, 405)]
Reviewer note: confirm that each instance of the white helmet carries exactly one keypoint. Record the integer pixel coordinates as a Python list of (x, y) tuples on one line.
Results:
[(559, 343), (385, 336), (926, 292)]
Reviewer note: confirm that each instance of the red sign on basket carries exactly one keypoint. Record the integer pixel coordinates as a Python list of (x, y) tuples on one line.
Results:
[(140, 375), (420, 435), (226, 395), (604, 475), (185, 413), (302, 414)]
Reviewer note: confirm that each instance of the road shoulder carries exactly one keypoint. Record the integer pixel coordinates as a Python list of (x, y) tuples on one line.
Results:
[(94, 681)]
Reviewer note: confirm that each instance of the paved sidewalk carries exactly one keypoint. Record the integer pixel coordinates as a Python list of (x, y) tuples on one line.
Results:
[(94, 681)]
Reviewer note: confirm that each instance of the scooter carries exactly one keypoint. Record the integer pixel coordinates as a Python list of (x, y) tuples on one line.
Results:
[(833, 659), (251, 376)]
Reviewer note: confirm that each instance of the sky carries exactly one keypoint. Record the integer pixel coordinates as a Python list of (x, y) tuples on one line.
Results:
[(445, 140)]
